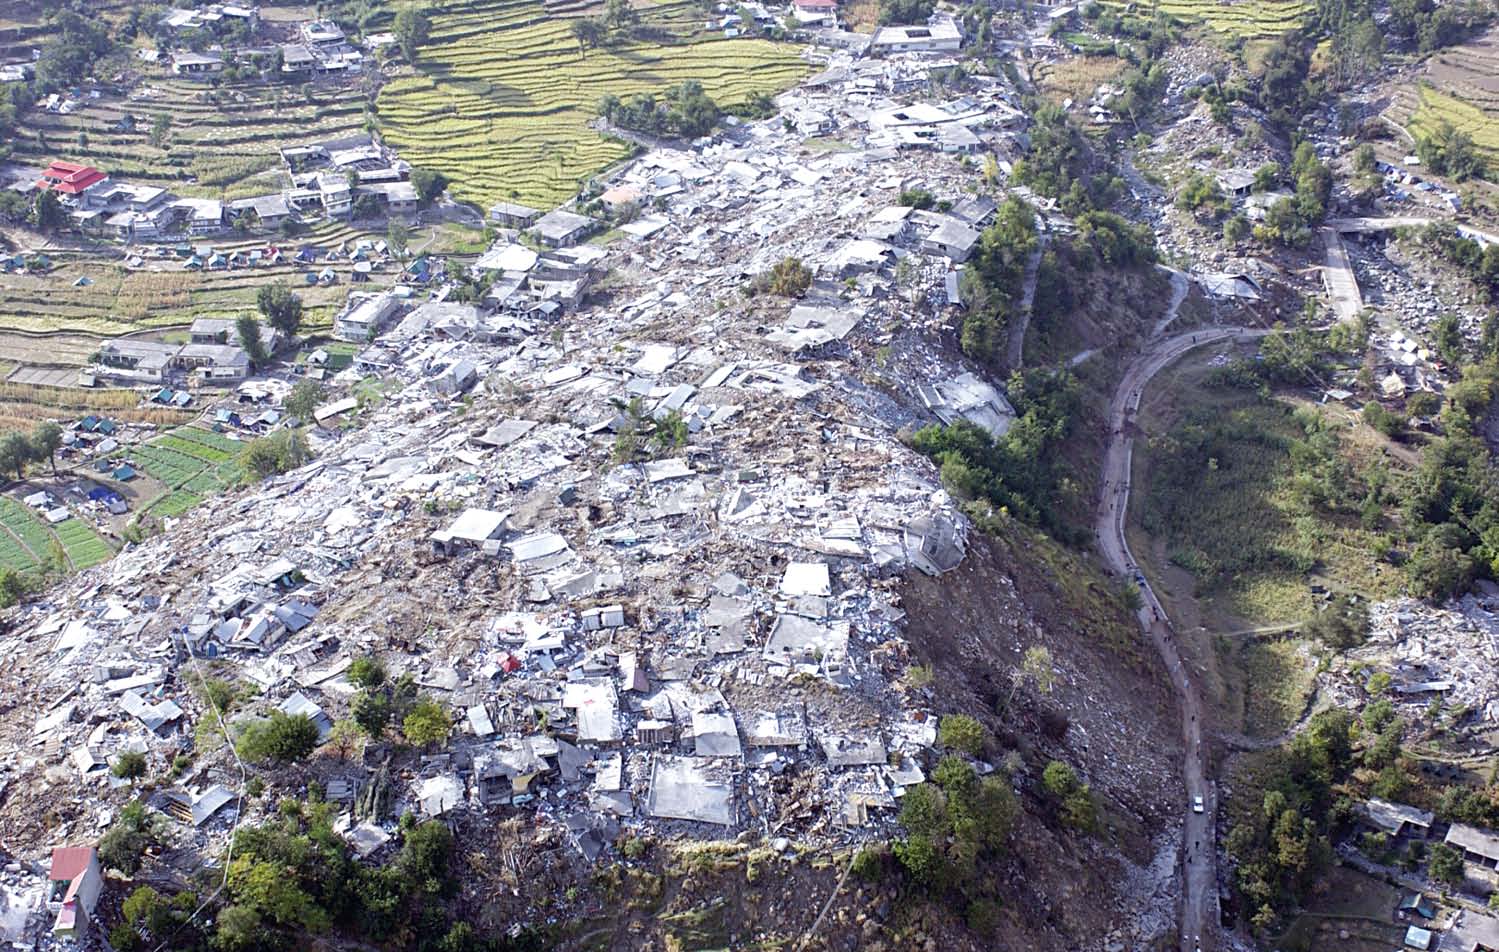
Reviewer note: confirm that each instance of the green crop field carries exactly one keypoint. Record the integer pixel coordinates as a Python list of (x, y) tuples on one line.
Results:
[(503, 95), (24, 525), (83, 545), (191, 461), (26, 541), (175, 503), (1436, 107)]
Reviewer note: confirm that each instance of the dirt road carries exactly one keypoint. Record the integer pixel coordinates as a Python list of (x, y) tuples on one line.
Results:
[(1199, 913)]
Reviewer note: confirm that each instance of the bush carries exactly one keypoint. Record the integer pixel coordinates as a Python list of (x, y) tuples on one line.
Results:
[(918, 198), (127, 838), (280, 452), (281, 737), (130, 765), (788, 278), (870, 863), (963, 733), (366, 673)]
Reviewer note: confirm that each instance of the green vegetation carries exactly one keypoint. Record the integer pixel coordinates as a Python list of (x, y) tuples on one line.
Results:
[(685, 112), (1072, 799), (281, 452), (127, 839), (280, 307), (130, 765), (1021, 471), (962, 733), (1259, 20), (786, 278), (284, 738), (505, 94), (427, 723), (1453, 133), (955, 827), (1280, 836), (993, 280)]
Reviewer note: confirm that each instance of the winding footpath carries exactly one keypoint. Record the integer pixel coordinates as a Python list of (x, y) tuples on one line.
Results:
[(1199, 912)]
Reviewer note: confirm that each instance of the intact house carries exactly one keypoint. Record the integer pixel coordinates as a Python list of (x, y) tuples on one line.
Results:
[(940, 35), (136, 360), (74, 884), (1397, 819), (1479, 847), (397, 197), (815, 11), (1471, 932), (512, 215), (365, 315), (215, 363), (559, 228), (270, 211), (77, 186), (196, 64), (1237, 182), (951, 238), (222, 330), (202, 216)]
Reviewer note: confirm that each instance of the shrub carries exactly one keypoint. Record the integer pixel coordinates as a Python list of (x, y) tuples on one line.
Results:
[(963, 733), (280, 452), (366, 673), (127, 838), (788, 278)]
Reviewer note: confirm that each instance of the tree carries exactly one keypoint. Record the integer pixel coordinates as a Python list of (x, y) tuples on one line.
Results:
[(1446, 865), (248, 329), (46, 437), (397, 235), (130, 765), (47, 214), (281, 307), (428, 184), (126, 839), (961, 732), (280, 737), (1036, 668), (619, 15), (372, 712), (412, 26), (15, 452), (304, 399), (588, 31), (427, 723)]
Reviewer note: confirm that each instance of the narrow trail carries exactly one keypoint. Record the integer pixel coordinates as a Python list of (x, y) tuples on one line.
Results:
[(1199, 911), (1015, 345)]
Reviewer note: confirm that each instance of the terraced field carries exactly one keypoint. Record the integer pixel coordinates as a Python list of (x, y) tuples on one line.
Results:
[(118, 300), (192, 462), (221, 144), (1435, 107), (1251, 19), (26, 541), (504, 95)]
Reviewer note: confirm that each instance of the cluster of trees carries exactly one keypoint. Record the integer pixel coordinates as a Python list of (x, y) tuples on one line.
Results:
[(1020, 471), (19, 449), (1069, 797), (993, 280), (1282, 848), (1451, 152), (382, 701), (412, 26), (1356, 43), (904, 12), (619, 21), (1480, 264), (1285, 88), (1432, 26), (686, 112), (1290, 220), (281, 307), (293, 877), (76, 43)]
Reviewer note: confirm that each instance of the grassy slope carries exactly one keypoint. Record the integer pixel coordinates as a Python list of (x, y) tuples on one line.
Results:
[(504, 95)]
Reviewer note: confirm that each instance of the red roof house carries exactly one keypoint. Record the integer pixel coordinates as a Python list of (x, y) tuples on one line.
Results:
[(76, 882), (70, 178)]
